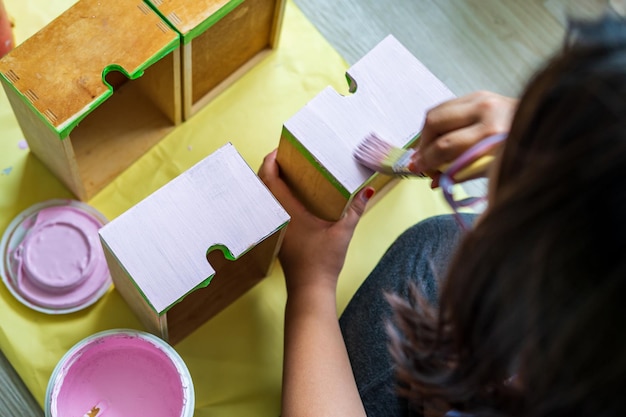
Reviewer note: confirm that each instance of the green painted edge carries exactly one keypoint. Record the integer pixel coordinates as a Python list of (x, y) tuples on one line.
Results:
[(64, 129), (41, 117), (309, 157), (377, 174), (352, 88), (412, 141), (70, 124), (156, 10), (228, 255), (225, 251), (104, 243), (352, 85), (210, 21), (202, 27)]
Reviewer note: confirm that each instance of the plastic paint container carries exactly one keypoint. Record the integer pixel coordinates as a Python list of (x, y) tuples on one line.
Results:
[(120, 373), (52, 259)]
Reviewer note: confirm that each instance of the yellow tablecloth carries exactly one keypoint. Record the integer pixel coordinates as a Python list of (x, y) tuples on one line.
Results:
[(235, 359)]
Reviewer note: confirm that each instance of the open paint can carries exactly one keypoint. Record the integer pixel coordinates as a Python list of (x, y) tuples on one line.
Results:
[(120, 373), (52, 258)]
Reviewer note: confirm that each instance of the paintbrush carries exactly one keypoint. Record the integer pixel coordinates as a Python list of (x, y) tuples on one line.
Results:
[(381, 156)]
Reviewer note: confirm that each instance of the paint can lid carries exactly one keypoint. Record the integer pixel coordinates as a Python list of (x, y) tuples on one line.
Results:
[(52, 259), (120, 372)]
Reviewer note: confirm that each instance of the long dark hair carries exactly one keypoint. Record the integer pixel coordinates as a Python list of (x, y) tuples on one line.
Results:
[(532, 316)]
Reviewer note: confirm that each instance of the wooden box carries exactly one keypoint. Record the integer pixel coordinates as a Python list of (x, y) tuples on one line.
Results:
[(194, 246), (392, 92), (221, 40), (95, 89)]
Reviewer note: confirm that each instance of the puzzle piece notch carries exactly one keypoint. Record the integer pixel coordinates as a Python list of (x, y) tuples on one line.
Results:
[(57, 72), (164, 240), (392, 91)]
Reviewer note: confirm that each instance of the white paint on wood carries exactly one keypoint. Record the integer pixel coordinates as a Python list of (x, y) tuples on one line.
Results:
[(393, 93), (162, 241)]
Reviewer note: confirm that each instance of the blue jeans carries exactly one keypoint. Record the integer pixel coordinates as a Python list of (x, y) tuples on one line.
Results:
[(419, 255)]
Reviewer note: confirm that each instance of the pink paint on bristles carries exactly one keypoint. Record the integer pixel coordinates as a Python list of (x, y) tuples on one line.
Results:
[(371, 151), (379, 155)]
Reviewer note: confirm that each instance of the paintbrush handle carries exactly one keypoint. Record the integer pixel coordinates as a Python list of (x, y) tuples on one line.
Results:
[(473, 170), (378, 155)]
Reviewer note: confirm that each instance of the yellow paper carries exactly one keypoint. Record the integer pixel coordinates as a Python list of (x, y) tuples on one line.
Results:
[(235, 359)]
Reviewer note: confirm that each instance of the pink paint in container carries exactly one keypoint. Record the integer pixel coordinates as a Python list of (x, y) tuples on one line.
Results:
[(120, 373), (51, 257)]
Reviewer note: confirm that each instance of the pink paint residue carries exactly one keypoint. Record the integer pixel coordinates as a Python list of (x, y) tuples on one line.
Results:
[(60, 262), (22, 144), (122, 374)]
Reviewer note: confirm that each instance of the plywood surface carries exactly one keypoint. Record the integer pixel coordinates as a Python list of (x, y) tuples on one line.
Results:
[(162, 241), (59, 70), (116, 134), (392, 91), (188, 15), (229, 43)]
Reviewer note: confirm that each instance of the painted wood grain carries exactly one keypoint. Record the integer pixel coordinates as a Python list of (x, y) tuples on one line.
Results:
[(162, 242), (391, 93)]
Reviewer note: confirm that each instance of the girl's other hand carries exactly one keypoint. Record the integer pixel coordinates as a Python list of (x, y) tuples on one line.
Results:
[(456, 125), (314, 250)]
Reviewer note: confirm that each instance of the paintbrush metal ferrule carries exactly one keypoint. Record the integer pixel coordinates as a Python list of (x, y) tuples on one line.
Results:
[(402, 164), (383, 157)]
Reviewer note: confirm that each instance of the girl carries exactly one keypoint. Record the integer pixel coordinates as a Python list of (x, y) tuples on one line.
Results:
[(520, 316)]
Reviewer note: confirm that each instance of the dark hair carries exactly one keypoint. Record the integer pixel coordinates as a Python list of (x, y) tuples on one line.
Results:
[(532, 317)]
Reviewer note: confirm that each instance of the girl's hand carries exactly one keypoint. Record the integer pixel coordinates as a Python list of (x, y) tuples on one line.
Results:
[(456, 125), (317, 377), (314, 250)]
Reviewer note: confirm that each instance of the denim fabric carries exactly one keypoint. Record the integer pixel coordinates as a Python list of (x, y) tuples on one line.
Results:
[(420, 255), (454, 413)]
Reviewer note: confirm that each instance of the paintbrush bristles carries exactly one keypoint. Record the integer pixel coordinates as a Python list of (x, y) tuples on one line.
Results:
[(379, 155)]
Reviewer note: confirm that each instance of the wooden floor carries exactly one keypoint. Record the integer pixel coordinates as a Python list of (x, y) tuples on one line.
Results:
[(469, 44)]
